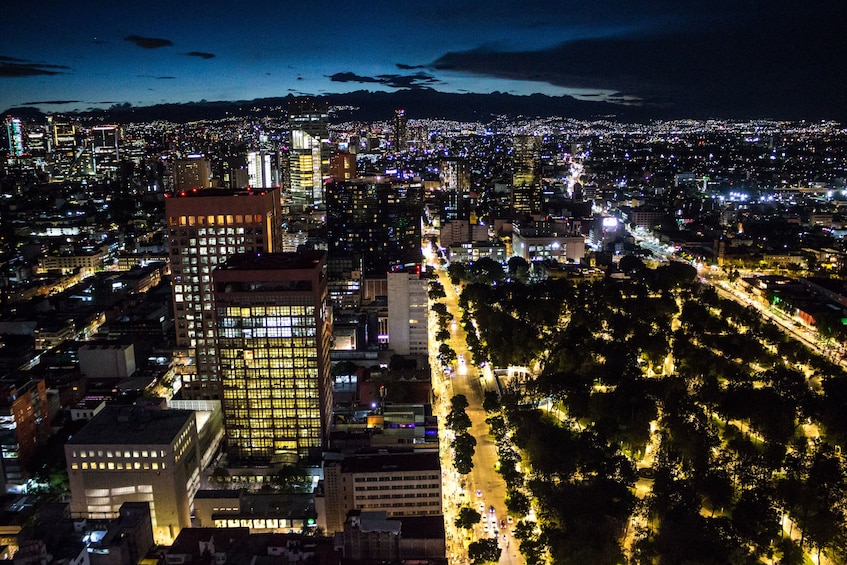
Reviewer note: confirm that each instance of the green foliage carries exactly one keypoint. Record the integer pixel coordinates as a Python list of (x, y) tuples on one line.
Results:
[(484, 550), (467, 518), (463, 448)]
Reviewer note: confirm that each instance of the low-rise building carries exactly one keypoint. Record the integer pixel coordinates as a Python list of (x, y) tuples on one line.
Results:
[(136, 454)]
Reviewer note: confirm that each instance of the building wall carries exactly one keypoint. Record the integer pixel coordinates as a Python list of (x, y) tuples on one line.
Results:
[(273, 335), (203, 231), (103, 476), (408, 313)]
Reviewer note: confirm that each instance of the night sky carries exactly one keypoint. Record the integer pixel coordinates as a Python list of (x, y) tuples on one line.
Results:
[(726, 58)]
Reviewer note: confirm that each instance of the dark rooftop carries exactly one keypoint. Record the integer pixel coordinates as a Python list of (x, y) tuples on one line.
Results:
[(387, 463), (260, 261), (132, 425)]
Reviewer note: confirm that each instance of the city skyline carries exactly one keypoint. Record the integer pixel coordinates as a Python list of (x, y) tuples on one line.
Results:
[(719, 59)]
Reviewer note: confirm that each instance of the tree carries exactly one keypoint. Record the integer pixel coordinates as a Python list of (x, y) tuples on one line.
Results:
[(463, 451), (490, 401), (484, 550), (467, 518), (442, 335), (446, 354), (457, 272), (436, 291)]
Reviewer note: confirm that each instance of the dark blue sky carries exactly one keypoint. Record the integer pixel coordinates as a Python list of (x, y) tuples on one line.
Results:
[(721, 57)]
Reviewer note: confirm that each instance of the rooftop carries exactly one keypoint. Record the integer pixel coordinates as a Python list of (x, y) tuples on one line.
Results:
[(394, 462), (133, 425), (261, 261)]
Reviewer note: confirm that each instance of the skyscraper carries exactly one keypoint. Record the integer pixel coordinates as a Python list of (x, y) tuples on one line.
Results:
[(191, 173), (377, 218), (14, 132), (455, 175), (401, 134), (205, 228), (525, 172), (273, 333), (259, 170), (308, 156)]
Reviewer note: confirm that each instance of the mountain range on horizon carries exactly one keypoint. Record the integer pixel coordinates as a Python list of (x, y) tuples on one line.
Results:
[(419, 103)]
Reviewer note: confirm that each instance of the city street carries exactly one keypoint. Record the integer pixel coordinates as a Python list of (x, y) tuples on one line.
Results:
[(468, 380)]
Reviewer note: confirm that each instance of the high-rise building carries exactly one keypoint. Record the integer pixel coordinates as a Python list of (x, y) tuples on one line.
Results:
[(64, 133), (401, 134), (205, 228), (260, 170), (191, 173), (273, 334), (408, 312), (377, 218), (455, 175), (105, 140), (15, 134), (342, 166), (308, 156), (526, 160)]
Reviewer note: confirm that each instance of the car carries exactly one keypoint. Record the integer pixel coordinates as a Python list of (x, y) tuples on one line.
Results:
[(491, 509), (509, 519), (481, 507), (485, 528), (502, 524), (478, 492)]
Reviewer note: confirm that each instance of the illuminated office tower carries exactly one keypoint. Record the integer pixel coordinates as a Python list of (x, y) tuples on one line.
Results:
[(64, 133), (401, 135), (260, 173), (526, 159), (191, 173), (308, 157), (377, 219), (455, 175), (204, 229), (274, 331), (15, 134), (105, 140)]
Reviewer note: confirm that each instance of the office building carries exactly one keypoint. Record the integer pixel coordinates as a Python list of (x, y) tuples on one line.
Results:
[(191, 173), (105, 140), (342, 166), (455, 176), (24, 426), (260, 173), (526, 190), (399, 484), (408, 312), (273, 334), (136, 454), (204, 229), (401, 133), (308, 157), (376, 218), (64, 133), (15, 135)]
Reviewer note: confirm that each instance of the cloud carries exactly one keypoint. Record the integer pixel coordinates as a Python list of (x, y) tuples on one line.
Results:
[(12, 67), (148, 42), (51, 102), (774, 63), (156, 77), (416, 80), (201, 54), (404, 67)]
